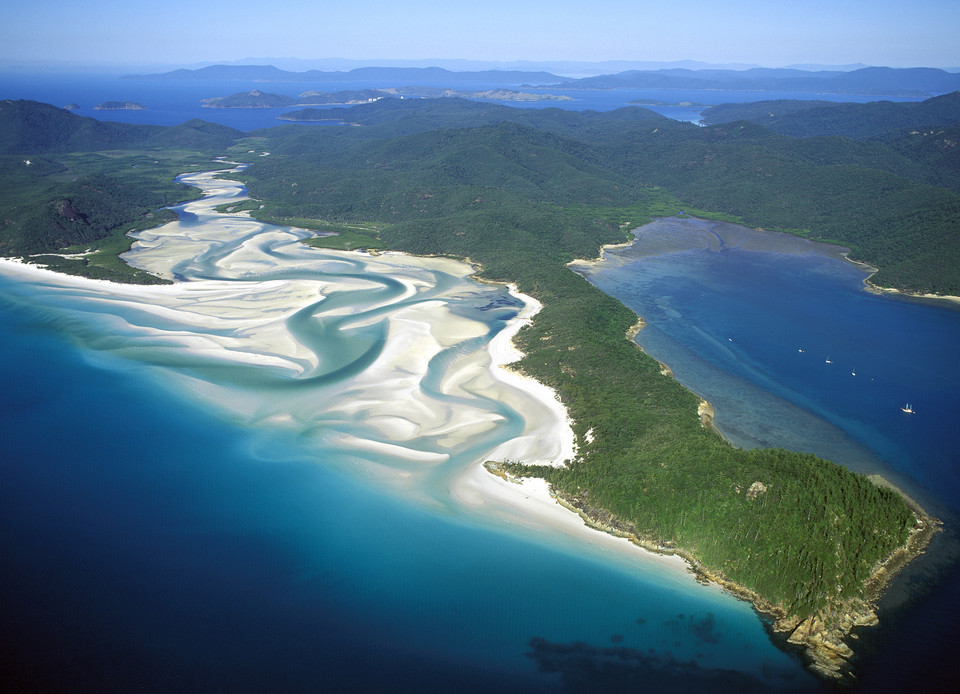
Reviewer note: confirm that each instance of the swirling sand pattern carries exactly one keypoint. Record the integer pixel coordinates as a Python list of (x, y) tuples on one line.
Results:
[(389, 359)]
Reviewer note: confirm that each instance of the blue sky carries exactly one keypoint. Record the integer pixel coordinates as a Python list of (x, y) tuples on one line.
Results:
[(186, 32)]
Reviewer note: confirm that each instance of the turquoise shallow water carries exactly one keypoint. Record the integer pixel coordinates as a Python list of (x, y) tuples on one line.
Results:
[(176, 522)]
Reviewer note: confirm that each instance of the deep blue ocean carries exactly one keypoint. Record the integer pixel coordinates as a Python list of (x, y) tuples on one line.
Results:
[(147, 543), (791, 350), (758, 332)]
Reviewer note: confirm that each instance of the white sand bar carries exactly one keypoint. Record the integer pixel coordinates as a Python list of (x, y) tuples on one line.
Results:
[(384, 358)]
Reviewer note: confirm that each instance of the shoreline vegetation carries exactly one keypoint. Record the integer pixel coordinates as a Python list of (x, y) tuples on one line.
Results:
[(528, 192), (877, 289), (820, 635), (822, 642)]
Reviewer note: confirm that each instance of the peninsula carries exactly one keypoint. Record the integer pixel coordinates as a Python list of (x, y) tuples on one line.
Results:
[(760, 522), (521, 193)]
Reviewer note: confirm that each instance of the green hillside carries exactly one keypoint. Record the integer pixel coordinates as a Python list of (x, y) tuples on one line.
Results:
[(522, 192), (858, 121), (32, 128), (522, 202), (890, 201), (77, 183)]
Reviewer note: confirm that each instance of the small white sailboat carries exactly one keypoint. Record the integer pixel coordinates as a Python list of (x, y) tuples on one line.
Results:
[(829, 361), (907, 408)]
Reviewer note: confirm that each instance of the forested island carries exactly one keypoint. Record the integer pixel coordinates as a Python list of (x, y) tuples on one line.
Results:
[(119, 106), (521, 193), (879, 81), (259, 99)]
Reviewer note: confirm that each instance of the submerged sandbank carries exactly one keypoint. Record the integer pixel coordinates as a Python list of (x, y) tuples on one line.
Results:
[(387, 358), (677, 234)]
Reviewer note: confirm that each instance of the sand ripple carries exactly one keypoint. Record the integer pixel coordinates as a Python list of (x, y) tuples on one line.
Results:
[(391, 359)]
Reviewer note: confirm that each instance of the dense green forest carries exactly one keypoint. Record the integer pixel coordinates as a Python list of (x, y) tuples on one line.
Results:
[(88, 203), (522, 202), (82, 185), (522, 192), (893, 200), (853, 120)]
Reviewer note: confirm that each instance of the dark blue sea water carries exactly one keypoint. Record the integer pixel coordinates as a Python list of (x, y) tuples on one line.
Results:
[(174, 102), (802, 328), (155, 538), (149, 544), (786, 343)]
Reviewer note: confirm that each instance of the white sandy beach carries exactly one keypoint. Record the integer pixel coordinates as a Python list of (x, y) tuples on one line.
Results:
[(385, 411), (530, 505)]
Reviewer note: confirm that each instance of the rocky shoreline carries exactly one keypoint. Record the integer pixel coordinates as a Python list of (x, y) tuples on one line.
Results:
[(822, 636)]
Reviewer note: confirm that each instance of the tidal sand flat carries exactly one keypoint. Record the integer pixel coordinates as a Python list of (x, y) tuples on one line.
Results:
[(311, 429)]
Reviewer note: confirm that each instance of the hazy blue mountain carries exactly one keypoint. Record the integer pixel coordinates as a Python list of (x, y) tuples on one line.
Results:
[(269, 73), (257, 73), (881, 81)]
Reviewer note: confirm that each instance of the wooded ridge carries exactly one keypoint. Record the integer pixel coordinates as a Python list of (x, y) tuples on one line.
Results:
[(523, 192)]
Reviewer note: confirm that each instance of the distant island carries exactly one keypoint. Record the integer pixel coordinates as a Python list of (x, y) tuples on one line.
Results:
[(522, 192), (259, 99), (873, 81), (877, 81), (488, 94), (119, 106), (411, 75), (678, 104)]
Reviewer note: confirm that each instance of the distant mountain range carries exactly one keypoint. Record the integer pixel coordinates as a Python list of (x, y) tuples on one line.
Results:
[(259, 99), (872, 81), (269, 73)]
